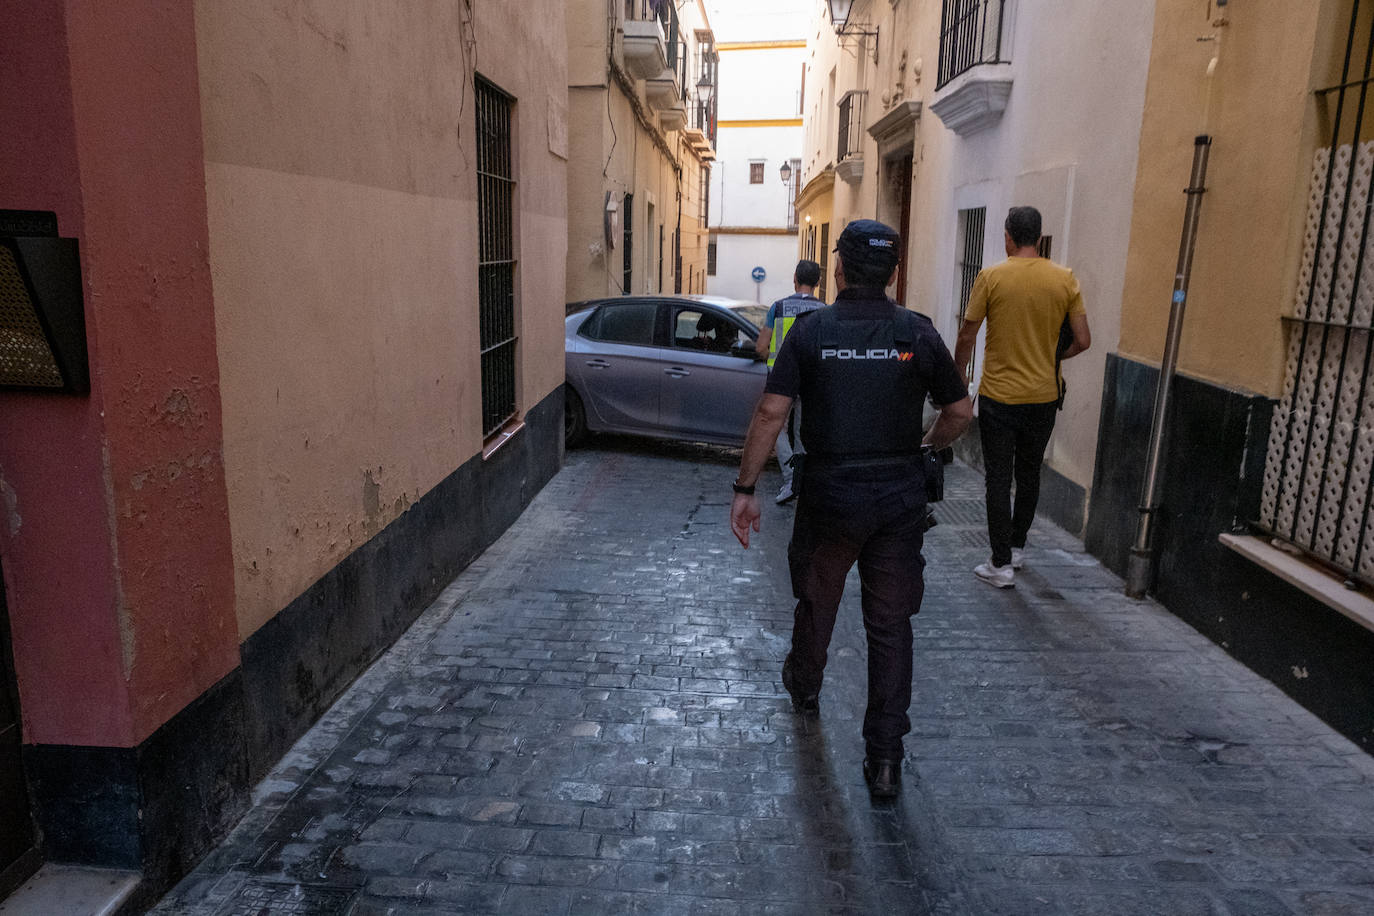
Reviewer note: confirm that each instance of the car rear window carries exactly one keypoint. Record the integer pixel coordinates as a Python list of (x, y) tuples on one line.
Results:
[(630, 323)]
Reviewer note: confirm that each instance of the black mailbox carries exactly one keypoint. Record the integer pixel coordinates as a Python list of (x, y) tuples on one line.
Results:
[(42, 317)]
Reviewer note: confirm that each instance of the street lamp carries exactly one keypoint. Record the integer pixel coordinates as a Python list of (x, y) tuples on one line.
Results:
[(705, 88), (786, 173), (839, 18)]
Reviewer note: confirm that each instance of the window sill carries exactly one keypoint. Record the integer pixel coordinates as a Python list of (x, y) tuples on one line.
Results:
[(1305, 576), (501, 437)]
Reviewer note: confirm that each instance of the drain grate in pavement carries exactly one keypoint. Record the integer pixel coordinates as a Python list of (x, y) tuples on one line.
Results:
[(258, 897), (961, 512), (975, 538)]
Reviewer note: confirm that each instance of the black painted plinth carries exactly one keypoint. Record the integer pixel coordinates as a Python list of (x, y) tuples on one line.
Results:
[(1213, 473)]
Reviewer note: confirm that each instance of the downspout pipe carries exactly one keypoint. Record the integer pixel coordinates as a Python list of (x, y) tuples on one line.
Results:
[(1140, 567)]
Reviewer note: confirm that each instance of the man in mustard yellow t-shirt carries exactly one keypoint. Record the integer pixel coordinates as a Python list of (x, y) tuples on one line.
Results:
[(1025, 300)]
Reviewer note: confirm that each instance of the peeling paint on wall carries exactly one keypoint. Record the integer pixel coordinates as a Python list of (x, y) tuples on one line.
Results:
[(372, 501)]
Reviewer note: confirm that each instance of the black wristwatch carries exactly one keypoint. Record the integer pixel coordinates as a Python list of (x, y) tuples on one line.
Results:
[(743, 490)]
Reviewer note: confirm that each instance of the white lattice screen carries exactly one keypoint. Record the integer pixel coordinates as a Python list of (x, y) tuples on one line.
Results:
[(1321, 444)]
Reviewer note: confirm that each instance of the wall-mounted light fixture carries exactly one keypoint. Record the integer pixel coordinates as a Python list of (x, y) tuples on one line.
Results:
[(42, 318), (786, 173), (839, 18)]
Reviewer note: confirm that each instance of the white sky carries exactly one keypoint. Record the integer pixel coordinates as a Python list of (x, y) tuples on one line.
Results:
[(760, 20)]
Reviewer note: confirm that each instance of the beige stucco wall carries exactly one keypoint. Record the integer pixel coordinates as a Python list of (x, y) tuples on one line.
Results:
[(1259, 109), (342, 208)]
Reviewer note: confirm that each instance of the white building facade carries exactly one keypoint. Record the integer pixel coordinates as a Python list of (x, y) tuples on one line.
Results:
[(937, 117), (753, 247)]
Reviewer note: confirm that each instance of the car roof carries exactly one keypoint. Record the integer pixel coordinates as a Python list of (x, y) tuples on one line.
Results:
[(724, 302)]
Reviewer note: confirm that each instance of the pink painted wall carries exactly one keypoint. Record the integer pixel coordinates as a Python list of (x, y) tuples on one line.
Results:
[(116, 549)]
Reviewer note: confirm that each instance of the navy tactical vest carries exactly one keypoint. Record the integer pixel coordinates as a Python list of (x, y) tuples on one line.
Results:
[(865, 400)]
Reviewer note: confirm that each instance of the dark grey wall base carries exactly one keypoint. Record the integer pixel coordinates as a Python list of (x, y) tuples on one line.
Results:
[(298, 663), (1214, 470), (159, 807), (155, 808), (1061, 500)]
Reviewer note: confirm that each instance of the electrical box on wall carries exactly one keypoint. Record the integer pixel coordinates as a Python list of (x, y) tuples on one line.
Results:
[(42, 316)]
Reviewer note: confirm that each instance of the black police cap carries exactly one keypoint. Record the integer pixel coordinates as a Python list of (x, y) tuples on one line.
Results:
[(869, 243)]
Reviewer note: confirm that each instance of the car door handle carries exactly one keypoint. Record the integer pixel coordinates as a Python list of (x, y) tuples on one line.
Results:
[(598, 364), (676, 372)]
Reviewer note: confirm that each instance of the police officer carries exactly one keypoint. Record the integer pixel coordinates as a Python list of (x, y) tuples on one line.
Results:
[(781, 316), (863, 368)]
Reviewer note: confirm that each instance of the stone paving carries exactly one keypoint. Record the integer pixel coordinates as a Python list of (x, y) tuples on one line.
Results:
[(590, 720)]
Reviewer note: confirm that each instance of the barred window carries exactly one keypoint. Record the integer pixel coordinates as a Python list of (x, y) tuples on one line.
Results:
[(756, 173), (1317, 492), (496, 255)]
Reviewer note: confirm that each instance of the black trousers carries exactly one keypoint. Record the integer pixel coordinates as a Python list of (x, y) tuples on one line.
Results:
[(880, 524), (1014, 438)]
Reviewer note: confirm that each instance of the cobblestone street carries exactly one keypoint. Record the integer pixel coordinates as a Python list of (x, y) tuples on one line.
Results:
[(590, 720)]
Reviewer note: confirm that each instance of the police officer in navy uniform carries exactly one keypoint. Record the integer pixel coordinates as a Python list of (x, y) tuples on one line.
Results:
[(863, 369)]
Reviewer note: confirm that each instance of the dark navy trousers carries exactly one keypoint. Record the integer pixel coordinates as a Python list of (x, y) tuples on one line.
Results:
[(873, 516)]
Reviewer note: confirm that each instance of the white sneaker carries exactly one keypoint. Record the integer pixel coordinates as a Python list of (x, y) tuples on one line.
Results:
[(785, 494), (996, 576), (1018, 558)]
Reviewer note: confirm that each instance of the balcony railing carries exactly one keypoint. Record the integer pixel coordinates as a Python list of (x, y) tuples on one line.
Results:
[(704, 119), (851, 126), (970, 34)]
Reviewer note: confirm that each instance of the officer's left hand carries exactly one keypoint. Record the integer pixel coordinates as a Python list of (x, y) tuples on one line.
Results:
[(744, 514)]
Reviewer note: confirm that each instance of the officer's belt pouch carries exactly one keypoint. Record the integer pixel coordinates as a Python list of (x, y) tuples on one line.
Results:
[(933, 468), (798, 465)]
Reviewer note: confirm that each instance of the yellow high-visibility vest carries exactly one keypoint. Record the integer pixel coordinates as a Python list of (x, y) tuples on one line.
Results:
[(786, 312)]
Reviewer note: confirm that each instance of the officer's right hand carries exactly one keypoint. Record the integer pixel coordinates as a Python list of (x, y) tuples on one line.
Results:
[(744, 514)]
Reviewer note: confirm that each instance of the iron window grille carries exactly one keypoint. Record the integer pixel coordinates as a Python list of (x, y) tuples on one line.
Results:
[(756, 173), (627, 237), (972, 223), (705, 196), (1316, 493), (711, 257), (793, 186), (851, 126), (823, 258), (970, 34), (496, 255)]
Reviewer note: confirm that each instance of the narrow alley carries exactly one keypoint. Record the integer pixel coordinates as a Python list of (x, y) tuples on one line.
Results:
[(589, 719)]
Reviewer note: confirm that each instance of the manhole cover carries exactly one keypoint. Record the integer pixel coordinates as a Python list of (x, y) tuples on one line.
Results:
[(259, 898)]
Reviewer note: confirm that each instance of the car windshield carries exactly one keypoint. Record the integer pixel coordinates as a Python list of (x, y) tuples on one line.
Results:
[(754, 314)]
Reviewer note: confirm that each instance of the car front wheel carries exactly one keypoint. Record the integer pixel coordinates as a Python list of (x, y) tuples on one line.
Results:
[(574, 418)]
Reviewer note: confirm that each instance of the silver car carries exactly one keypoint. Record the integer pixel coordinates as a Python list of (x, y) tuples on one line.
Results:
[(671, 367)]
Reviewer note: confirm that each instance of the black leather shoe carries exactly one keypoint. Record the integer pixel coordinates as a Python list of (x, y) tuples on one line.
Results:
[(884, 777), (805, 703)]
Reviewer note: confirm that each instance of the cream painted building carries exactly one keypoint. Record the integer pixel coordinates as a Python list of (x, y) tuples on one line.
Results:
[(938, 135), (642, 122)]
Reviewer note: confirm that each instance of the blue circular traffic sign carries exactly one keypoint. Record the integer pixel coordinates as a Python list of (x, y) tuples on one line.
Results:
[(759, 274)]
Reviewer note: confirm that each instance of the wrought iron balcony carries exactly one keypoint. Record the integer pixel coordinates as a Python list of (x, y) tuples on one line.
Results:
[(970, 34), (849, 157), (651, 33)]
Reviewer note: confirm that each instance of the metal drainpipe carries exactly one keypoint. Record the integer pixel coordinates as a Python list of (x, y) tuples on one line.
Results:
[(1140, 568)]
